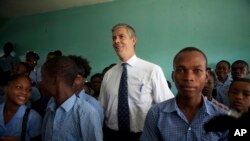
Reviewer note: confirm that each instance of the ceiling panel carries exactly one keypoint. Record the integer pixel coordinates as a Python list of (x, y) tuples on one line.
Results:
[(10, 8)]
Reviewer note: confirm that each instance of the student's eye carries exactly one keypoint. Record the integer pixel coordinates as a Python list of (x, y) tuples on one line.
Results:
[(197, 70), (179, 70), (234, 92), (28, 90), (242, 69), (246, 93), (18, 87)]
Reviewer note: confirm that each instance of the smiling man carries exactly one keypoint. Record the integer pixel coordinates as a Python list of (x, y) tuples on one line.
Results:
[(130, 88)]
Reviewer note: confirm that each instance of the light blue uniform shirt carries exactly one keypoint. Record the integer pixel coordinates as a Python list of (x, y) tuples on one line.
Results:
[(166, 122), (222, 91), (74, 120), (35, 75), (14, 126), (93, 102), (6, 63)]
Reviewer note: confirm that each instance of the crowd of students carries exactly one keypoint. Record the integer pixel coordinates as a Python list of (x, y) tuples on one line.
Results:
[(128, 101)]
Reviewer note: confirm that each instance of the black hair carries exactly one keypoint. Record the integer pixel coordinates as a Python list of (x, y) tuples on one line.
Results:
[(63, 67), (58, 52), (239, 80), (96, 75), (33, 55), (82, 65), (224, 61), (12, 78), (107, 68), (8, 48), (190, 49), (241, 62)]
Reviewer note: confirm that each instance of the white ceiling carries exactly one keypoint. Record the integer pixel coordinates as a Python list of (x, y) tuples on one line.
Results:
[(12, 8)]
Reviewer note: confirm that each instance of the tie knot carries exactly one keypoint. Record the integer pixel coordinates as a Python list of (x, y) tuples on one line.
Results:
[(124, 65)]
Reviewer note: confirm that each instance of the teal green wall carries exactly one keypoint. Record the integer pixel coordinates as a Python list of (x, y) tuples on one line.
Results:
[(221, 28)]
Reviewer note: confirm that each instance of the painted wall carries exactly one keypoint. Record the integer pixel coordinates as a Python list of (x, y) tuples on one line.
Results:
[(221, 28)]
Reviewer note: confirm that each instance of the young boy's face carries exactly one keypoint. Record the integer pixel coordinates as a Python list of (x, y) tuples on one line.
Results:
[(209, 86), (239, 70), (222, 70), (190, 74), (18, 91), (239, 96)]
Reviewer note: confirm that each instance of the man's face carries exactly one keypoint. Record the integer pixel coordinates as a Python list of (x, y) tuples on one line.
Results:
[(190, 74), (239, 96), (239, 70), (123, 43)]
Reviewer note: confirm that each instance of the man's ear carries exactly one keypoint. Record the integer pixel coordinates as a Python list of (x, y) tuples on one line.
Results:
[(134, 40)]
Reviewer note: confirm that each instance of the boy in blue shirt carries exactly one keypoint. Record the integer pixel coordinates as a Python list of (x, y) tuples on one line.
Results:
[(67, 118), (182, 118)]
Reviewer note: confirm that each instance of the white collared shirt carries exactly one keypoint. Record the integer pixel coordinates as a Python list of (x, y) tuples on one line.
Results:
[(147, 86)]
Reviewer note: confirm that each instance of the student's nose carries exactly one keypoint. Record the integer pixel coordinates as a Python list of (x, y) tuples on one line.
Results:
[(188, 76), (239, 95)]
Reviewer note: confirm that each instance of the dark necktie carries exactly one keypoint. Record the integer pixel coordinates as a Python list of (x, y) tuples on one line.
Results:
[(123, 108)]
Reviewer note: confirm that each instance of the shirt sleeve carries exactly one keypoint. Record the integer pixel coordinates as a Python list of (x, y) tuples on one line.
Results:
[(161, 91), (150, 131), (90, 124)]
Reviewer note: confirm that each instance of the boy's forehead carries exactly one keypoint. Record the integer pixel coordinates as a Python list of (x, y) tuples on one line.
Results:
[(190, 55), (239, 65), (241, 84)]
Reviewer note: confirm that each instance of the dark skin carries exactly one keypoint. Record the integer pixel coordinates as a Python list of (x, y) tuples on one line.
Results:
[(190, 76), (222, 70), (9, 112), (56, 87), (17, 93)]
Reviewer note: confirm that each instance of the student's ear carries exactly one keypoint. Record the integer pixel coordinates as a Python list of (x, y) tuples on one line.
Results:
[(77, 80), (172, 75)]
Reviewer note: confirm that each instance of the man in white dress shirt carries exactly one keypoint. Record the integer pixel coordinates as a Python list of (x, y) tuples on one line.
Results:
[(146, 86)]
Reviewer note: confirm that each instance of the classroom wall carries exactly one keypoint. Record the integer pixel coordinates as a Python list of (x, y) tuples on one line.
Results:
[(221, 28)]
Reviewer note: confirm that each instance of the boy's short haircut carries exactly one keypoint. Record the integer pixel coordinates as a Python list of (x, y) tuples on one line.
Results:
[(239, 80), (241, 62)]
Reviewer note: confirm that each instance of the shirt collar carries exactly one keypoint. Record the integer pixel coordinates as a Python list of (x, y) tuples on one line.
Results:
[(19, 112), (82, 94), (132, 60), (66, 105), (174, 107)]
